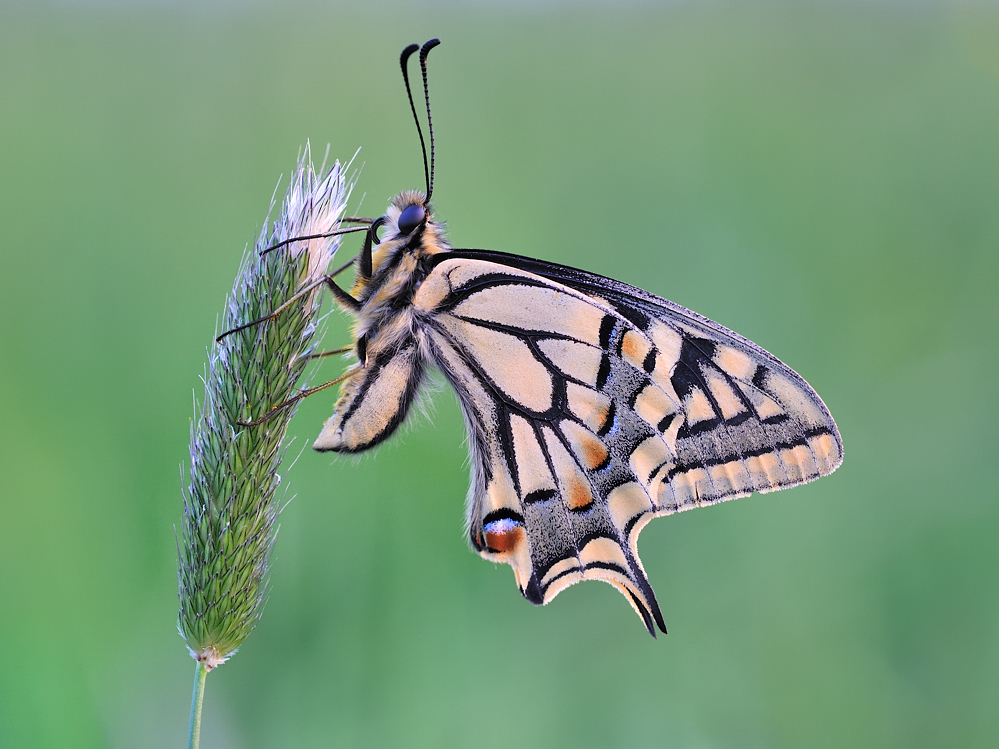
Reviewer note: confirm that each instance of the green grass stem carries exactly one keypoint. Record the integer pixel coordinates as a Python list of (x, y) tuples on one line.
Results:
[(197, 699)]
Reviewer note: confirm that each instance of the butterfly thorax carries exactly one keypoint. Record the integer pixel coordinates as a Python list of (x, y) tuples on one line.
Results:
[(399, 263)]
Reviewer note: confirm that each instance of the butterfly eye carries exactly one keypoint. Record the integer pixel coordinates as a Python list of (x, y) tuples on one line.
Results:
[(410, 218)]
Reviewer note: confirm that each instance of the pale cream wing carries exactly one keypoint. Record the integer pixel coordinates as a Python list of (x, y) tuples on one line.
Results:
[(584, 424)]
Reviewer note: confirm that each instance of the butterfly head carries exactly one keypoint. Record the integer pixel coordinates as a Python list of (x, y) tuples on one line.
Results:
[(408, 214), (407, 226)]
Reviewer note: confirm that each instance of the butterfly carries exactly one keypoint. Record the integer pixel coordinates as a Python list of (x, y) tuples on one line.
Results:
[(591, 406)]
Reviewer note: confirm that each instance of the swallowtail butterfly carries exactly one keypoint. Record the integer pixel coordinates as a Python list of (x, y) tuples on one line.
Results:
[(591, 406)]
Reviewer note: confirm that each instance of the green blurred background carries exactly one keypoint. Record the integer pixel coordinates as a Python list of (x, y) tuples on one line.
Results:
[(823, 177)]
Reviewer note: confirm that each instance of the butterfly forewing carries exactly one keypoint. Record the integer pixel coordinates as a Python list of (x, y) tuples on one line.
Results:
[(375, 397), (593, 407)]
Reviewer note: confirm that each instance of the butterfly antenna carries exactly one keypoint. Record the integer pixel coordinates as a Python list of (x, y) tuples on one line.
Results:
[(430, 122), (404, 63)]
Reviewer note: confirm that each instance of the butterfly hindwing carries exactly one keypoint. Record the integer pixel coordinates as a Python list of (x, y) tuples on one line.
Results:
[(535, 426), (592, 409)]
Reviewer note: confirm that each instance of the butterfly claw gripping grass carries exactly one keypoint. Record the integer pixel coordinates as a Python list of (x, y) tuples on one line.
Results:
[(231, 503)]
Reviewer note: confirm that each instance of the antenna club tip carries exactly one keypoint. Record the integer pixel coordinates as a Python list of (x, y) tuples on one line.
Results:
[(428, 46), (407, 52)]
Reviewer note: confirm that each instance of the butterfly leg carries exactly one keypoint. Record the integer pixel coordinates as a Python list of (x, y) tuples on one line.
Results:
[(333, 352), (363, 267), (276, 312), (341, 296), (305, 237), (345, 299), (275, 410)]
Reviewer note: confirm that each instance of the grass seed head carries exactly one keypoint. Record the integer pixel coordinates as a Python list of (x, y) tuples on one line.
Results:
[(230, 501)]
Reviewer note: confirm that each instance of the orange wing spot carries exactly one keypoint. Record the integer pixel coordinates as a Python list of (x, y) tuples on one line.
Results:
[(827, 454), (635, 347), (599, 417), (585, 444), (577, 493), (591, 407), (594, 453)]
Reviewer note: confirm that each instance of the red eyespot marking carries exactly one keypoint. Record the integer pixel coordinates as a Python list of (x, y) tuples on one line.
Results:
[(503, 536)]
